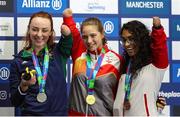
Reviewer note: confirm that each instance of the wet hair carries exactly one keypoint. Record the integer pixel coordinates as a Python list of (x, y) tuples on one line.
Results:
[(95, 22), (42, 14), (142, 39)]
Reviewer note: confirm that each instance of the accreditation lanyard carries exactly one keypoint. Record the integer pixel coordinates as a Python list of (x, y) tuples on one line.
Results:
[(41, 77), (128, 82), (91, 73)]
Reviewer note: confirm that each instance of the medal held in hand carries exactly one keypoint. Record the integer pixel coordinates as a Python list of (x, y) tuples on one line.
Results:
[(126, 105), (90, 99), (41, 97)]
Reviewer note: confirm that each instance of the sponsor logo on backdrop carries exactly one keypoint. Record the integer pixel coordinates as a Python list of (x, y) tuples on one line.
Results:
[(108, 27), (29, 6), (171, 92), (6, 26), (55, 4), (6, 6), (3, 3), (94, 6), (7, 50), (175, 48), (144, 4), (3, 95), (4, 73), (175, 28), (175, 9), (144, 7), (176, 73)]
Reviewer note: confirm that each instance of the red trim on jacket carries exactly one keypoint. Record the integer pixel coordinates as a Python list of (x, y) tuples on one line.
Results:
[(146, 105)]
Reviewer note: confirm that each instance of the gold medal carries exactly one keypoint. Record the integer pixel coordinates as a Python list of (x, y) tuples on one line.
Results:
[(90, 99), (41, 97), (127, 105)]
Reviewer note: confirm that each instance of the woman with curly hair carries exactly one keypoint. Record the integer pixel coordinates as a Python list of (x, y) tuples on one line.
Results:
[(147, 59)]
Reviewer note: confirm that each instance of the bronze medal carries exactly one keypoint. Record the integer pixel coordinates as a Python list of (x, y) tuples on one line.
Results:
[(127, 105), (90, 99), (41, 97)]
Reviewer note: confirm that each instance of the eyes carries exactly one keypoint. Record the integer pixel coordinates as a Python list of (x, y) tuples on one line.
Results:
[(44, 30), (129, 39), (85, 37)]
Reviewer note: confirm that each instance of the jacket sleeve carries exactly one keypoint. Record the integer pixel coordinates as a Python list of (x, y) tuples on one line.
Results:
[(65, 45), (159, 48), (17, 98), (78, 44)]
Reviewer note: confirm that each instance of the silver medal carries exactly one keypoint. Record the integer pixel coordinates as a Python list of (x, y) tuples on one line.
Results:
[(41, 97)]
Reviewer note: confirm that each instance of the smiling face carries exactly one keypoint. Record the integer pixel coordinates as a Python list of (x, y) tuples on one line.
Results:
[(93, 39), (39, 32), (129, 43)]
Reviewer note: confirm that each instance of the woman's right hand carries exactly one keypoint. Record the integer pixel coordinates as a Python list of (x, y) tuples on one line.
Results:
[(24, 84)]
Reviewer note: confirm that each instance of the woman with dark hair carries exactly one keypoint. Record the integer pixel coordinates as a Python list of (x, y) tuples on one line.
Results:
[(147, 59), (38, 71)]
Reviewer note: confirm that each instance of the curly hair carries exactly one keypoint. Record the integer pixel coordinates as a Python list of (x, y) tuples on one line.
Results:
[(143, 42)]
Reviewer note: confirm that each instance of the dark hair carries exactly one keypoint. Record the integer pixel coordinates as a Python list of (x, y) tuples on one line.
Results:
[(50, 43), (95, 22), (142, 40)]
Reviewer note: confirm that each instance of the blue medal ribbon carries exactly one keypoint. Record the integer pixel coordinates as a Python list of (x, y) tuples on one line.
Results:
[(128, 82), (91, 73), (41, 77)]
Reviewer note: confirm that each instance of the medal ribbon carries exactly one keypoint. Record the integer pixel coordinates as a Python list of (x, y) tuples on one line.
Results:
[(128, 82), (91, 73), (41, 77)]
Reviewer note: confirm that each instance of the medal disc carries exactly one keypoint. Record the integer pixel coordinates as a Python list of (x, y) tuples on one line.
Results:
[(90, 99), (41, 97), (127, 105)]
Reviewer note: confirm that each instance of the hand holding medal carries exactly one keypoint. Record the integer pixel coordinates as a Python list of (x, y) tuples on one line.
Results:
[(28, 74), (28, 79)]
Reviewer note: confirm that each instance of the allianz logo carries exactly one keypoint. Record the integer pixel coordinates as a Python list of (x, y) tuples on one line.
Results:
[(4, 73), (55, 4), (96, 6), (108, 27)]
